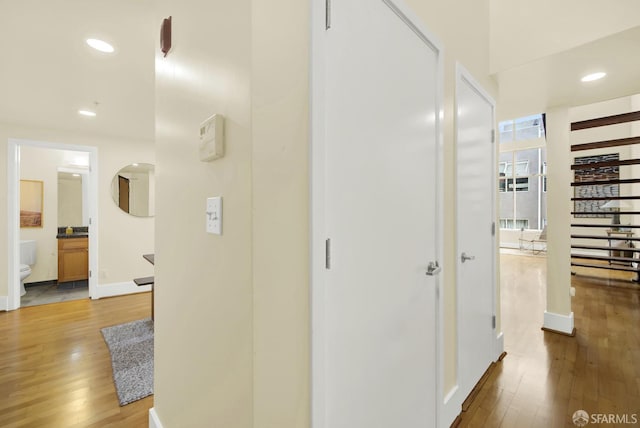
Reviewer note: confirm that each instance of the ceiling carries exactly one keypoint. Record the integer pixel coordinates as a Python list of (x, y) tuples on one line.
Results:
[(555, 79), (48, 72)]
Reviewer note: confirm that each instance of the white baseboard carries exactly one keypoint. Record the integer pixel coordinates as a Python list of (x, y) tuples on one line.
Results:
[(118, 289), (499, 346), (451, 407), (4, 303), (559, 323), (154, 420)]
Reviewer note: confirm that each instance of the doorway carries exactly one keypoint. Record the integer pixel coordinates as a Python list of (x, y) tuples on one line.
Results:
[(376, 193), (13, 200), (476, 228), (123, 193)]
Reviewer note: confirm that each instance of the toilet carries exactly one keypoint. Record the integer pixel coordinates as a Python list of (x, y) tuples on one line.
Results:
[(27, 259)]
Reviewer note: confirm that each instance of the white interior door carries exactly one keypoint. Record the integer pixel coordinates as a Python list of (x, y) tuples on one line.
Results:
[(476, 241), (381, 133)]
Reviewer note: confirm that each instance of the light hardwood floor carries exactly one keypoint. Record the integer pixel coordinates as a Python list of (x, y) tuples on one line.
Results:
[(546, 377), (55, 368)]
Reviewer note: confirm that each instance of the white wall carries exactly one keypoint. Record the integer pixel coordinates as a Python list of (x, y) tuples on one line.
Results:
[(249, 62), (203, 290), (122, 238)]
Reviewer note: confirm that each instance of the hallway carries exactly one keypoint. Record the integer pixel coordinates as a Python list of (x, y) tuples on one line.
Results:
[(546, 377)]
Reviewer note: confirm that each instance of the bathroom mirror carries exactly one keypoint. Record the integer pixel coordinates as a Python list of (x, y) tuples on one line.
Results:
[(72, 198), (132, 189)]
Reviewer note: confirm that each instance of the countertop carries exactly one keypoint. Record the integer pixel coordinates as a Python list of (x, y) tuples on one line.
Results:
[(73, 235), (78, 232)]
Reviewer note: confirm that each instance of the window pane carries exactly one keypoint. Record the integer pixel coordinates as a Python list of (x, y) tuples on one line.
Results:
[(522, 168), (529, 127), (506, 131), (526, 187)]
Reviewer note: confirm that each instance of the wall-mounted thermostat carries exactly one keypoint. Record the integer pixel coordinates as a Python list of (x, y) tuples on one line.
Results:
[(212, 138)]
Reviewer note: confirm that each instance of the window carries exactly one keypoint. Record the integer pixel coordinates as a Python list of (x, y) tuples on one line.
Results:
[(522, 188), (522, 182), (524, 128), (508, 183)]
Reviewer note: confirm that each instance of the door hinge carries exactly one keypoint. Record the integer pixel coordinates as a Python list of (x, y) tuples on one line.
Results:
[(493, 229), (89, 220), (327, 16), (493, 135), (89, 274), (327, 253), (493, 322)]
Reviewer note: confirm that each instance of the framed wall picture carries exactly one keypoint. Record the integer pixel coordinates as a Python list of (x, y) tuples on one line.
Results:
[(31, 203)]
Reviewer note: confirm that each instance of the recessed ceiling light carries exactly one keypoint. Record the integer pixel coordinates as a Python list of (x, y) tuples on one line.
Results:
[(134, 164), (593, 76), (87, 113), (100, 45), (76, 175)]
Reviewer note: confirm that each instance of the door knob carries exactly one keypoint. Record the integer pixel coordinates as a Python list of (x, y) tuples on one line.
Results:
[(464, 257)]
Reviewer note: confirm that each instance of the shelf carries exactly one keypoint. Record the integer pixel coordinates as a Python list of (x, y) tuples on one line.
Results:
[(605, 198), (607, 120), (606, 258), (601, 182), (605, 213), (612, 238), (147, 280), (608, 226), (604, 248), (605, 144), (610, 267)]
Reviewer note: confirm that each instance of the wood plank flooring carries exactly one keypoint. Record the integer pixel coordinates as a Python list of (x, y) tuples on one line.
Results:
[(546, 377), (55, 369)]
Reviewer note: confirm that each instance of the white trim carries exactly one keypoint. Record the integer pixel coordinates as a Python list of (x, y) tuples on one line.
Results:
[(451, 407), (317, 192), (463, 75), (498, 346), (13, 226), (13, 219), (316, 210), (119, 289), (154, 419), (4, 303), (558, 322)]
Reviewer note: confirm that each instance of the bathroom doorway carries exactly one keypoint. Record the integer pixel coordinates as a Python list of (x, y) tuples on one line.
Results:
[(88, 166)]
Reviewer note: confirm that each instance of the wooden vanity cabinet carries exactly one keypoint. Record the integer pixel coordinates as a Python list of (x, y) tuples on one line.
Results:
[(73, 259)]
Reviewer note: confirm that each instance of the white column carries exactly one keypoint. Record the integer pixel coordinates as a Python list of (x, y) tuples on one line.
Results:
[(558, 316)]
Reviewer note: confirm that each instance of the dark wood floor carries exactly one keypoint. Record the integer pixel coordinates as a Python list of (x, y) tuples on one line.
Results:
[(546, 377), (55, 369)]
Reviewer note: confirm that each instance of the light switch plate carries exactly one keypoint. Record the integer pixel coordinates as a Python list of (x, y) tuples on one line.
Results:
[(214, 215)]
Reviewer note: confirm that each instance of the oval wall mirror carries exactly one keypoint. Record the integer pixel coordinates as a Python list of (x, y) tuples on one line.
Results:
[(133, 188)]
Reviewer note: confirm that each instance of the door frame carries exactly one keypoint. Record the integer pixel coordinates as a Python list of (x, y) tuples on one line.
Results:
[(13, 215), (317, 221), (497, 346)]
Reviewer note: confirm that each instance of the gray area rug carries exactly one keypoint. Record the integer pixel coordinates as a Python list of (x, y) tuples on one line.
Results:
[(131, 347)]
